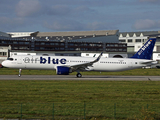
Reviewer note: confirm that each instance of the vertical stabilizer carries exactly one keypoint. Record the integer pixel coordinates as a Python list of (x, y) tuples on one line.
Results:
[(145, 52)]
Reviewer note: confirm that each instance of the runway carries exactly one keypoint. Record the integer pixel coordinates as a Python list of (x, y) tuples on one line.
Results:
[(85, 77)]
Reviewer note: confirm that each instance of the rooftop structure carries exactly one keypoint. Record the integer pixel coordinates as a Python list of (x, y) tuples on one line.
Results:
[(98, 41)]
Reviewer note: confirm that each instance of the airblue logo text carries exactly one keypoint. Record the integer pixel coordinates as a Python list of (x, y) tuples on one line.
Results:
[(144, 47), (50, 60)]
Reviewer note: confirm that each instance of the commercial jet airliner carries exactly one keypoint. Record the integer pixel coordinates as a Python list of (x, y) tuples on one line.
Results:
[(65, 64)]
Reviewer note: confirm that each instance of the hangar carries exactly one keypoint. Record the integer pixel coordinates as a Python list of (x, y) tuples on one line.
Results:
[(64, 43)]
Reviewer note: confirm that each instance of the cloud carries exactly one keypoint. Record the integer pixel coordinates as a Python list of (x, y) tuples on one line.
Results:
[(58, 10), (10, 24), (63, 25), (74, 25), (74, 15), (148, 0), (96, 26), (146, 24), (27, 8)]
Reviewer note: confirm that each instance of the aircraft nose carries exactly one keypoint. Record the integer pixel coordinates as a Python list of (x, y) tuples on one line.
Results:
[(4, 63)]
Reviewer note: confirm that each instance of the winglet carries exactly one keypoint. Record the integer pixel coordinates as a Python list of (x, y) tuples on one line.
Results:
[(96, 60)]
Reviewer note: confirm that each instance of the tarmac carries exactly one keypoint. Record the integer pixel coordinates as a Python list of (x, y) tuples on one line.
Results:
[(84, 77)]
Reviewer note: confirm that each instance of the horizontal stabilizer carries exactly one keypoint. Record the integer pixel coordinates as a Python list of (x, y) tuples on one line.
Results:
[(148, 62)]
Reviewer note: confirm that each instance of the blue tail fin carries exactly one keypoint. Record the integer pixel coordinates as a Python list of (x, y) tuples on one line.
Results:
[(145, 52)]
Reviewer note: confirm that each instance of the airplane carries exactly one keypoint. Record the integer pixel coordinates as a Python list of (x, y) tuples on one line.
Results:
[(68, 64)]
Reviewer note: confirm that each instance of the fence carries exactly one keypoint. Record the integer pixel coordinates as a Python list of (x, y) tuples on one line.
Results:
[(85, 111)]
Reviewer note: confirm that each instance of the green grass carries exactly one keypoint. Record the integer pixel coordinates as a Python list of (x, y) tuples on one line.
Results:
[(80, 99), (99, 99), (141, 72), (79, 91)]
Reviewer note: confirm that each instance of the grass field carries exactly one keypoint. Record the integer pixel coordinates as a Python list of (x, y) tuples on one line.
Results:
[(80, 99), (141, 72), (99, 97)]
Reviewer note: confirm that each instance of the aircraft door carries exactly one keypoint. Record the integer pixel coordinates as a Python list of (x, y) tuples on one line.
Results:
[(19, 60), (130, 65)]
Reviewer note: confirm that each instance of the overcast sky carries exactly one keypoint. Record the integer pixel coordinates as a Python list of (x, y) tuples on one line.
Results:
[(79, 15)]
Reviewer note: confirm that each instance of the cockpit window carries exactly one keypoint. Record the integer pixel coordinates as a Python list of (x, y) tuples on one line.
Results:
[(11, 59)]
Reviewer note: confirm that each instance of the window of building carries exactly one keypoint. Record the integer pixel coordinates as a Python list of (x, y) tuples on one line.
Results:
[(122, 40), (56, 48), (15, 42), (15, 47), (42, 43), (71, 48), (112, 45), (51, 43), (47, 43), (138, 40), (61, 48), (129, 40), (120, 49), (37, 43), (21, 42), (70, 44), (42, 48), (56, 43), (23, 48), (99, 45), (158, 48), (26, 43), (4, 42), (130, 49), (62, 44), (3, 53)]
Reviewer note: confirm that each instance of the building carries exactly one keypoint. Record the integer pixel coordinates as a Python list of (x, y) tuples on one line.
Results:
[(135, 40), (62, 43), (88, 41)]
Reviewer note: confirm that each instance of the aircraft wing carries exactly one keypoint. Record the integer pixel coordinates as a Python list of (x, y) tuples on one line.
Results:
[(83, 66)]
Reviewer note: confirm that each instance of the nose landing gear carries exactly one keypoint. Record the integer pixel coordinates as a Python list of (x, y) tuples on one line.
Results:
[(20, 70)]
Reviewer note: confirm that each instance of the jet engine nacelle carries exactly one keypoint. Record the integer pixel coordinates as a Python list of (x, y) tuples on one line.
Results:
[(62, 70)]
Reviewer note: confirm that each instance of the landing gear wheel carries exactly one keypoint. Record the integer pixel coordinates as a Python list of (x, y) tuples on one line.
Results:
[(79, 75)]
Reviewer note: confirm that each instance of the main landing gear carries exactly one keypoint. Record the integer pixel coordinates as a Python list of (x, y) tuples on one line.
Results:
[(20, 70), (79, 75)]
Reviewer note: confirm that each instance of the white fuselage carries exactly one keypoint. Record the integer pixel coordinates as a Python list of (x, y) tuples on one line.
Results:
[(51, 63)]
